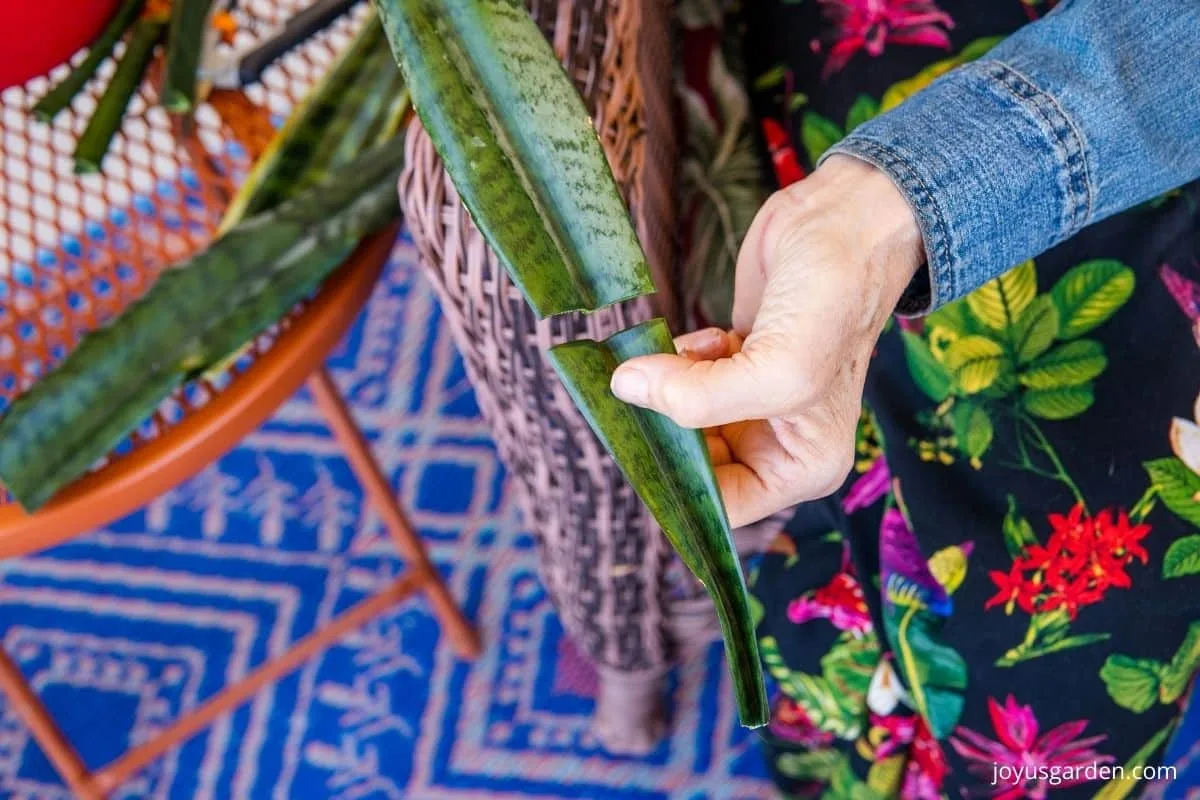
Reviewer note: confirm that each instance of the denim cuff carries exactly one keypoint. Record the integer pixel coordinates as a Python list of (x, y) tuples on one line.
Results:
[(993, 168)]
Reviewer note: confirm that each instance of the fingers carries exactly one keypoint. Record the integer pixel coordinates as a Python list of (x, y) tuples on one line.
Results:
[(705, 344), (751, 384), (770, 469)]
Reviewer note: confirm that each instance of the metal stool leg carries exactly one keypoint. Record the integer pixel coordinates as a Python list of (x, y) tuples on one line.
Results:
[(462, 633), (47, 734)]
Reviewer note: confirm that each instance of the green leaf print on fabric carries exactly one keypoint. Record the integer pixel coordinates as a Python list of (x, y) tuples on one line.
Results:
[(1018, 533), (1047, 633), (865, 107), (813, 765), (917, 600), (1056, 404), (1006, 352), (927, 371), (975, 362), (973, 428), (1178, 487), (935, 674), (998, 303), (1035, 329), (1089, 294), (1132, 683), (818, 135), (836, 700), (1182, 558), (1138, 683), (1071, 364)]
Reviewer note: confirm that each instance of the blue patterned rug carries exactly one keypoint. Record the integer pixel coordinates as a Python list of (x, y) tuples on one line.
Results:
[(123, 628)]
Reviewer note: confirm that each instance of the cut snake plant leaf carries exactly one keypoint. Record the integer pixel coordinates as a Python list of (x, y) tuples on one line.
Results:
[(194, 313), (185, 40), (64, 92), (516, 140), (359, 103), (106, 119), (669, 466)]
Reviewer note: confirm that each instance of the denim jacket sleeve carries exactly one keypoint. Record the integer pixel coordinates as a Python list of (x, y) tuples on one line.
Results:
[(1082, 114)]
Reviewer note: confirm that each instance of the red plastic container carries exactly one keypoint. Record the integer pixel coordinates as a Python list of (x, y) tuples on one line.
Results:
[(37, 35)]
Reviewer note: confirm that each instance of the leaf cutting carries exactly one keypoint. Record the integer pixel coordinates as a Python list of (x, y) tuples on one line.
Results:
[(515, 139)]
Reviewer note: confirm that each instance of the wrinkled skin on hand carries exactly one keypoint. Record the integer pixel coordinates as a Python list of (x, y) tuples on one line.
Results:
[(820, 271)]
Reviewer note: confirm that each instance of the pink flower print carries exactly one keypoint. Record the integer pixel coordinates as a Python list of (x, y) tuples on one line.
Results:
[(841, 601), (1019, 748), (872, 485), (870, 24)]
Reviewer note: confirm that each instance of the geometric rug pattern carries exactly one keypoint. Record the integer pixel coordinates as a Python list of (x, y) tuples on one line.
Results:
[(121, 629)]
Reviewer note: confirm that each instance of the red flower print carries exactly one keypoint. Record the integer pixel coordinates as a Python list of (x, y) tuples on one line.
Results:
[(1019, 748), (870, 24), (1083, 559), (927, 768), (841, 601), (783, 155)]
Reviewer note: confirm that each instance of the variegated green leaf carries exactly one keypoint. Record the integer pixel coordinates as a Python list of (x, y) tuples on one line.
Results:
[(670, 469), (359, 103), (973, 428), (1089, 294), (975, 362), (1035, 329), (818, 134), (999, 302), (1178, 487), (1182, 557), (1132, 683), (1070, 364), (516, 140), (926, 371), (1064, 403)]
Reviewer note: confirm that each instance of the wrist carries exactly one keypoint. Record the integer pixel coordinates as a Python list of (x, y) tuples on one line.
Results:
[(877, 215)]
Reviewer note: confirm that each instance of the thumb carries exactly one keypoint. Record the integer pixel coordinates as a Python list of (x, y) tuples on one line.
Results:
[(751, 384)]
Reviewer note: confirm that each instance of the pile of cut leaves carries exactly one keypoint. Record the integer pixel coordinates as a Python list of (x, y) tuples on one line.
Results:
[(307, 204), (142, 24)]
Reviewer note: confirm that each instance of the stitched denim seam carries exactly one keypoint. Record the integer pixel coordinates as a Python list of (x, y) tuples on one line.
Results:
[(1068, 142), (935, 231)]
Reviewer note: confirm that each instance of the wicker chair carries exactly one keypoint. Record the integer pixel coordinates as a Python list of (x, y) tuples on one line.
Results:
[(611, 573)]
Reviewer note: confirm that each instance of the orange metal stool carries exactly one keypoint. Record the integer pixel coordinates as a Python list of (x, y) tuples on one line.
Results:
[(53, 289)]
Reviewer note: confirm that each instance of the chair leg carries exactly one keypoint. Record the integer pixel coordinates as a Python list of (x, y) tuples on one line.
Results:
[(45, 732), (463, 635)]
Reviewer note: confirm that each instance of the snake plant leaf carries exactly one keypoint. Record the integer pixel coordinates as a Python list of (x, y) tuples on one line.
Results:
[(669, 467), (516, 140), (185, 40), (359, 103), (196, 312), (106, 119), (65, 91)]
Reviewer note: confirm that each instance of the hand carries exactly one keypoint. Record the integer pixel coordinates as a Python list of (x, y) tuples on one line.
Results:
[(822, 267)]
